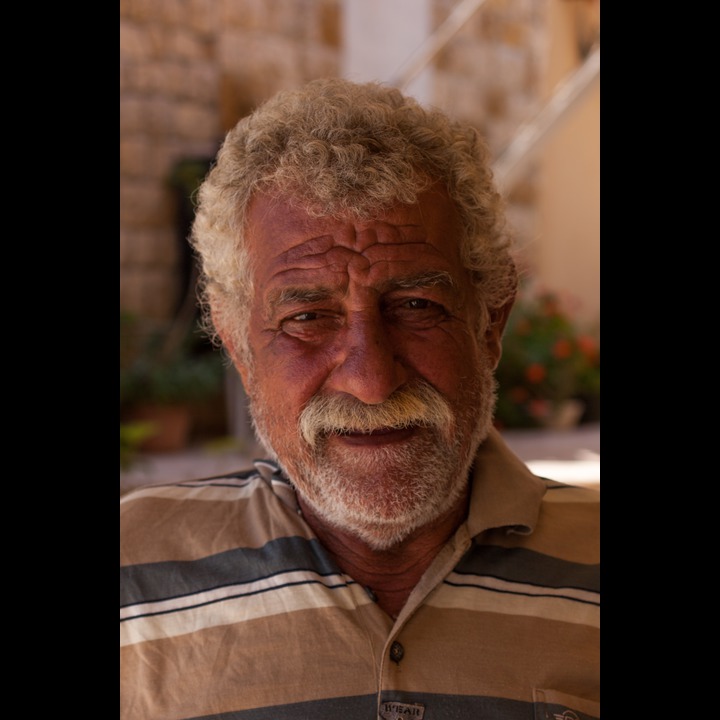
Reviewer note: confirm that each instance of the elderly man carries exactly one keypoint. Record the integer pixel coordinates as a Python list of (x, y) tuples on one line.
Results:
[(392, 559)]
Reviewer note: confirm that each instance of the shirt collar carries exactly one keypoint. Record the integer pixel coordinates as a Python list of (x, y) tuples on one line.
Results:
[(504, 492)]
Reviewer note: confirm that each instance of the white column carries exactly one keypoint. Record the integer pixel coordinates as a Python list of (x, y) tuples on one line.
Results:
[(378, 38)]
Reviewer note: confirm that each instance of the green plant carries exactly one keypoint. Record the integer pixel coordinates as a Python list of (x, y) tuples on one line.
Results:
[(132, 435), (163, 366), (547, 360)]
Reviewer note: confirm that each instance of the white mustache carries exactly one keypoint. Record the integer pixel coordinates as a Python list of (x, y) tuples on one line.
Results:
[(415, 404)]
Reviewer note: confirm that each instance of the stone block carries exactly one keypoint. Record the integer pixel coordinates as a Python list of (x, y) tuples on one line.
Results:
[(242, 14), (285, 17), (136, 155), (192, 120), (172, 79), (158, 115), (203, 16), (134, 42), (187, 45), (174, 12), (131, 114), (142, 10), (198, 81), (146, 203)]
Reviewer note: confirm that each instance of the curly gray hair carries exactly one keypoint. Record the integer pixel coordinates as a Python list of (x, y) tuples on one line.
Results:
[(347, 150)]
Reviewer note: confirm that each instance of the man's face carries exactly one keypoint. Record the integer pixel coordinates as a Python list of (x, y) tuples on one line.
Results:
[(368, 381)]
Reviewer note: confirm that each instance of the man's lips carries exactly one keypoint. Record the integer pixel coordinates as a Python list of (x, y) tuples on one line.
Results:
[(379, 436)]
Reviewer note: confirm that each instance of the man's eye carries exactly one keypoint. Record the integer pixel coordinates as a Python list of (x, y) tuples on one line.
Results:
[(419, 304), (418, 313), (303, 317), (309, 325)]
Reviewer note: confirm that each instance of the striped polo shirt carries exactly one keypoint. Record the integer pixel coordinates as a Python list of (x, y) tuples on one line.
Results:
[(232, 610)]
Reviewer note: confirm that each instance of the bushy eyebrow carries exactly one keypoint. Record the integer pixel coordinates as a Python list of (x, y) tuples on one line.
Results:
[(308, 295), (299, 295), (431, 278)]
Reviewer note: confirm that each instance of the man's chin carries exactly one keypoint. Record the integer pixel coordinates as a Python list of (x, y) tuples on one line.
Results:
[(380, 495), (371, 524)]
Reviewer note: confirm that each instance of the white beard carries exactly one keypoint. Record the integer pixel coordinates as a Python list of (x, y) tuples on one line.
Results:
[(381, 494)]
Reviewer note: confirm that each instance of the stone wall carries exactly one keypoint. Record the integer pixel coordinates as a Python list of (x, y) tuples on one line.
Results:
[(190, 68), (490, 75)]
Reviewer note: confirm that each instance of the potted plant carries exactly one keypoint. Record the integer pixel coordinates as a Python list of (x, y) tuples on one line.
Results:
[(549, 372), (169, 375), (165, 372)]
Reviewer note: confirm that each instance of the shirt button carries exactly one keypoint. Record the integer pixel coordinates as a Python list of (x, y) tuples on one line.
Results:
[(397, 651)]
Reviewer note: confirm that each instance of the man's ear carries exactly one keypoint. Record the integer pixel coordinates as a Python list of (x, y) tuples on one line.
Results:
[(495, 329)]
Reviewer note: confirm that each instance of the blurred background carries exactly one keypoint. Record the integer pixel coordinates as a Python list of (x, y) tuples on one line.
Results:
[(524, 72)]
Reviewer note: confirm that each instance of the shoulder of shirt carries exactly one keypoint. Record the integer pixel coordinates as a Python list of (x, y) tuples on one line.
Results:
[(263, 472), (561, 492)]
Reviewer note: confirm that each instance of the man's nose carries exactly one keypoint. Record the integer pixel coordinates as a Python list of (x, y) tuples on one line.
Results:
[(367, 364)]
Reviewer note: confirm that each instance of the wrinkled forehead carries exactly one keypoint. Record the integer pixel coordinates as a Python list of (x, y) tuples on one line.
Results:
[(289, 247), (273, 215)]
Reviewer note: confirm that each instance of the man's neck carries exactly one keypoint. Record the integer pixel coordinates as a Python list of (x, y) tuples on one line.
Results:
[(390, 575)]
